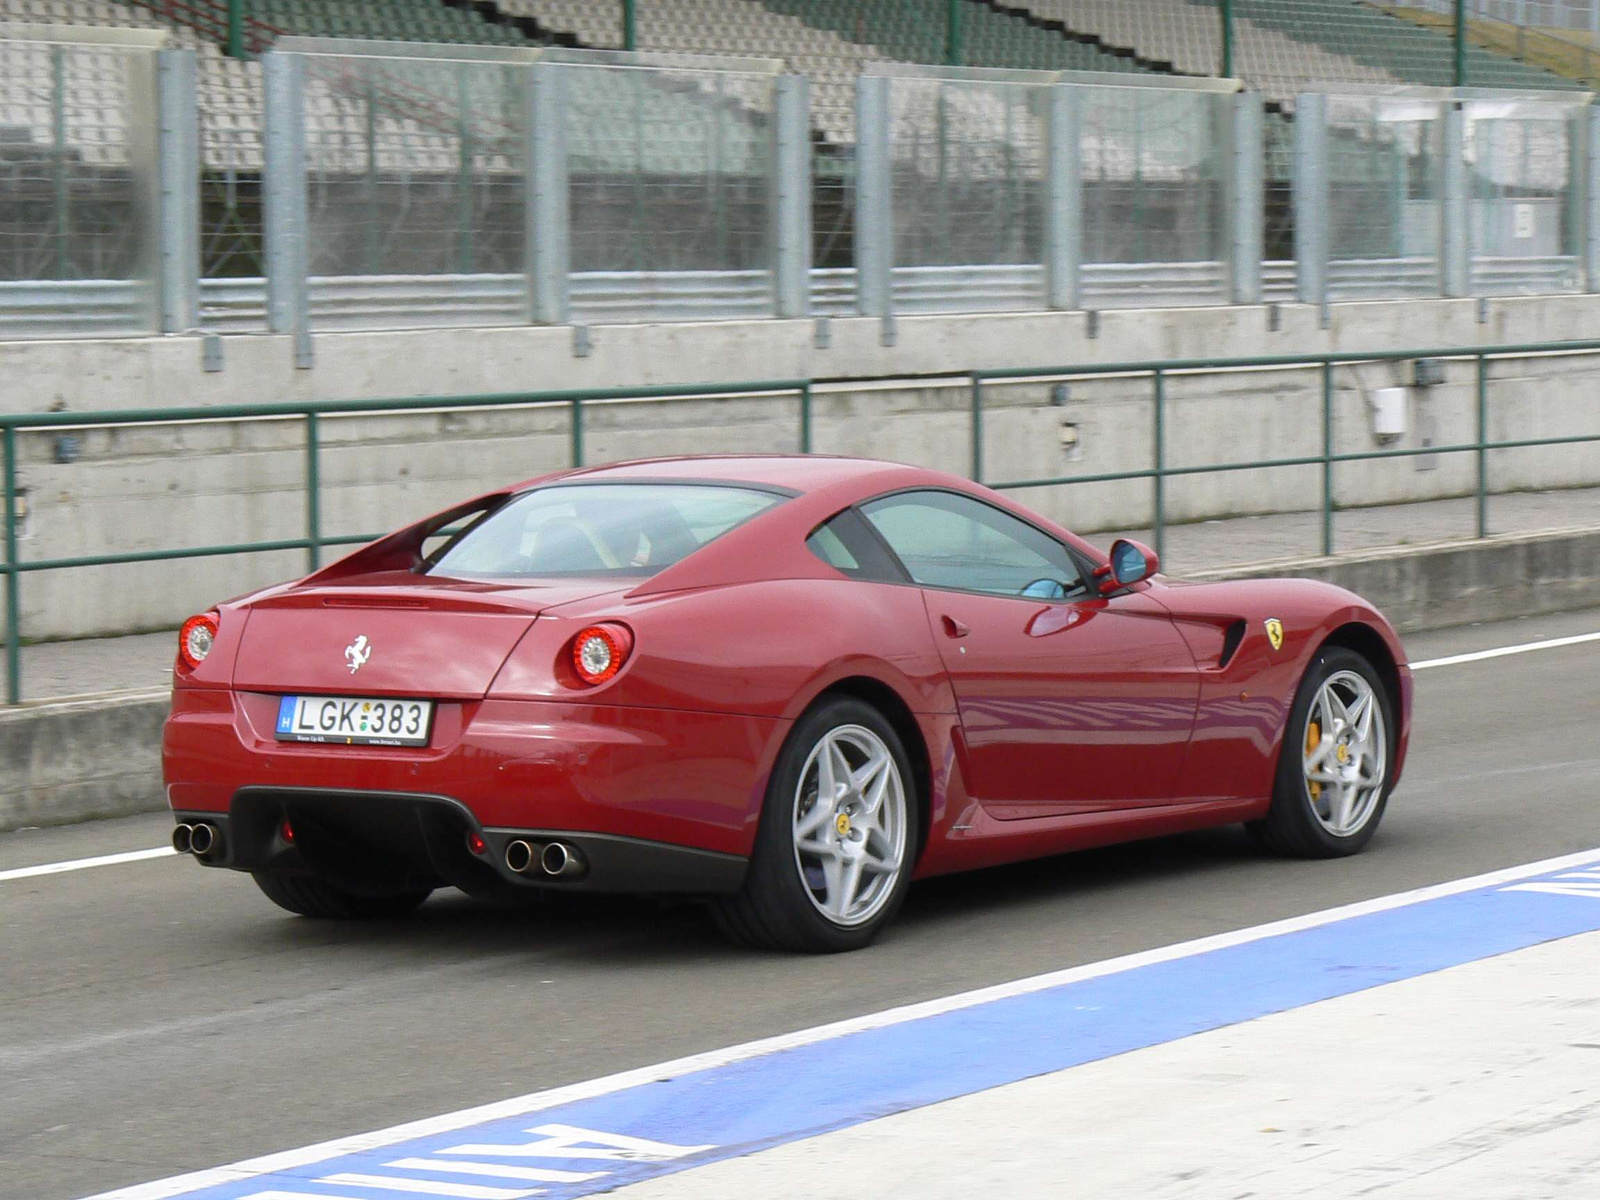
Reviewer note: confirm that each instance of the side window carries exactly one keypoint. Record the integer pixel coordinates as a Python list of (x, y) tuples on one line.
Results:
[(845, 542), (952, 541)]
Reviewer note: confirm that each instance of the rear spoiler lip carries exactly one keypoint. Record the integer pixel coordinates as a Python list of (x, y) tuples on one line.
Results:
[(402, 549)]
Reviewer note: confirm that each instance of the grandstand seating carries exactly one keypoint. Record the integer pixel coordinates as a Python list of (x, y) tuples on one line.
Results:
[(1189, 36), (1285, 46)]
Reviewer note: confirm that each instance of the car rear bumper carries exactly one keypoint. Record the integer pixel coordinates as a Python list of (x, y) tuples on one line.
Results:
[(386, 842), (660, 796)]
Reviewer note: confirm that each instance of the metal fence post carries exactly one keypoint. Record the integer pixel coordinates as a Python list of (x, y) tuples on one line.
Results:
[(791, 207), (874, 212), (178, 159), (547, 221), (1064, 201), (284, 207), (1247, 197), (1455, 266), (977, 428), (1327, 458), (805, 418), (1311, 197), (1226, 70), (1483, 449), (576, 430), (13, 579), (1158, 481), (236, 28), (313, 493), (1590, 203)]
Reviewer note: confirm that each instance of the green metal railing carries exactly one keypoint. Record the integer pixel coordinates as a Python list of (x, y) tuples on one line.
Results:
[(575, 403), (1159, 472), (311, 414)]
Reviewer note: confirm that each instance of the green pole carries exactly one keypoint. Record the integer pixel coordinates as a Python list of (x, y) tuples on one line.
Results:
[(952, 34), (805, 419), (1483, 452), (1327, 459), (13, 605), (577, 432), (235, 28), (977, 429), (630, 25), (1461, 44), (1158, 481), (313, 494), (1227, 39)]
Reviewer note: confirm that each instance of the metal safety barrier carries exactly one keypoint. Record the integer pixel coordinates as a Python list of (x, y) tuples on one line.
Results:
[(574, 402)]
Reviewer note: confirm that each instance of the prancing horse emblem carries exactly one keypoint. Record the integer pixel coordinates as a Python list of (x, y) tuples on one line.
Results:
[(357, 653), (1274, 633)]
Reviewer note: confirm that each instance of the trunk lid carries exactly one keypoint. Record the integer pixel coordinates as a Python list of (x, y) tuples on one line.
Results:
[(394, 634)]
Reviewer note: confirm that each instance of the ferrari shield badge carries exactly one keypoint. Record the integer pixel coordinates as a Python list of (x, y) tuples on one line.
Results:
[(357, 653), (1275, 632)]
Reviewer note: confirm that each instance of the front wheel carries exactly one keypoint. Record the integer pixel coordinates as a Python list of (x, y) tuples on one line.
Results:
[(838, 831), (1337, 760)]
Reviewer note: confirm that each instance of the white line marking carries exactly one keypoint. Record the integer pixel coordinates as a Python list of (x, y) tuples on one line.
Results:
[(82, 864), (430, 1187), (1502, 651), (289, 1160), (532, 1174)]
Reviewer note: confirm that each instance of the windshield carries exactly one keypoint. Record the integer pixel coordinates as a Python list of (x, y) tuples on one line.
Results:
[(628, 529)]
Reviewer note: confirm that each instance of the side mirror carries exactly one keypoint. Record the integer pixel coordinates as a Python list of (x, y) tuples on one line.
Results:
[(1131, 563)]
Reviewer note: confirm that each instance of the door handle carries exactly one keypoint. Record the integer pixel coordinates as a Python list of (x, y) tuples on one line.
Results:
[(954, 628)]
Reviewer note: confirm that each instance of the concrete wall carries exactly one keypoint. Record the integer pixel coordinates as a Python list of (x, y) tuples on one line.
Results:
[(78, 760), (146, 488)]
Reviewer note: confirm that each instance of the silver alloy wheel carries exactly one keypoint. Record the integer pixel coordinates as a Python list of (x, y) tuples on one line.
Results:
[(1344, 753), (850, 825)]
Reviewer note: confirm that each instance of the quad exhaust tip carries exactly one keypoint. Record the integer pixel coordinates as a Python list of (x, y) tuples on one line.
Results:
[(183, 839), (203, 839), (555, 860)]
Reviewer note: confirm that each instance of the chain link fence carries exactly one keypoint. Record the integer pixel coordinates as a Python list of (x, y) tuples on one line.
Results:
[(1155, 164), (968, 163), (1524, 222), (78, 187)]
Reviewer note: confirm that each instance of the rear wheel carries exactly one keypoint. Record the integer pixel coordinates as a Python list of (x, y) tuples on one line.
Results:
[(1336, 762), (312, 897), (833, 853)]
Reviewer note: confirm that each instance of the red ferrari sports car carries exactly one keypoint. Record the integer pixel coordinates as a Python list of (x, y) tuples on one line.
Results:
[(787, 685)]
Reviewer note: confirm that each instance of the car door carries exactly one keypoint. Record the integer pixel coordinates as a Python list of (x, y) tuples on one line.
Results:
[(1069, 701)]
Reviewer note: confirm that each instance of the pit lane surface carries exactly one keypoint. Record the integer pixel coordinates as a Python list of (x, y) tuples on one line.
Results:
[(157, 1018)]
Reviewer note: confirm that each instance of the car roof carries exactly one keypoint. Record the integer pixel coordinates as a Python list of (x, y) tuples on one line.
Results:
[(797, 472)]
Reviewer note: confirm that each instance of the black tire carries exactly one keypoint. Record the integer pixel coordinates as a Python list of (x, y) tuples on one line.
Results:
[(1291, 826), (309, 896), (773, 910)]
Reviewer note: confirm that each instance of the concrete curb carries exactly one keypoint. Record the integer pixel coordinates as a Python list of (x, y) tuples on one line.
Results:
[(90, 757), (1458, 582), (76, 760)]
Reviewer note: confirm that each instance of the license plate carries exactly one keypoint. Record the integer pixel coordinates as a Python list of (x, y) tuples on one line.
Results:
[(354, 720)]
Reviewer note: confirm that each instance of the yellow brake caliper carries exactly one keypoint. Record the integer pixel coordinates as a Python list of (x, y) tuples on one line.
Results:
[(1313, 737)]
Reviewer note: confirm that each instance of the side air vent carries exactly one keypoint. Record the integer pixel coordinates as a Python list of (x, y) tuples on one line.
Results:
[(1230, 642)]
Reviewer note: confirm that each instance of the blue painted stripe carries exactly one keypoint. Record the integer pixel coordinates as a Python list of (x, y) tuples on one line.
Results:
[(827, 1085)]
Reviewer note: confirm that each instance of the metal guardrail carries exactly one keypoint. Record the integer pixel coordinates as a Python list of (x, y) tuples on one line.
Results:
[(574, 401)]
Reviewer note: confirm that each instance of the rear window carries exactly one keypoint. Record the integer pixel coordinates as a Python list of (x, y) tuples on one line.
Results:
[(630, 529)]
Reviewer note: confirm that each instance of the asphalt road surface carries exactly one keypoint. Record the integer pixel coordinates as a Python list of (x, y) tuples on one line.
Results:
[(156, 1017)]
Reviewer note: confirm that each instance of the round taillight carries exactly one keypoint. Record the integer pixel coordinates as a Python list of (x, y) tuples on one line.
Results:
[(599, 651), (196, 638)]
